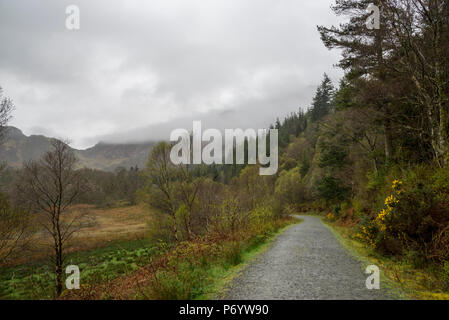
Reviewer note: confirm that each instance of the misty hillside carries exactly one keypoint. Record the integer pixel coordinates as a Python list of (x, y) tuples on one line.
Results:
[(18, 148)]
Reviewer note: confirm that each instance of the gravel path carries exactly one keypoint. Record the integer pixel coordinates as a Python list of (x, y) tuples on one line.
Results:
[(304, 262)]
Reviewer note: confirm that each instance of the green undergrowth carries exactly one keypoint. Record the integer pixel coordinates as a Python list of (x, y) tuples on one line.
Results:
[(36, 280), (397, 275)]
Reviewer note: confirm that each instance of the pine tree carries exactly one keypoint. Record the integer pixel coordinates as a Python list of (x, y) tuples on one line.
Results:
[(322, 102), (364, 52)]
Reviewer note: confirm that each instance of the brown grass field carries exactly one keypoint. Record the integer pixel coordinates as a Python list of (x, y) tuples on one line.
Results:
[(100, 227), (105, 225)]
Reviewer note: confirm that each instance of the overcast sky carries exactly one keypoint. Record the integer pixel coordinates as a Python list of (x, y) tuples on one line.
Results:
[(137, 69)]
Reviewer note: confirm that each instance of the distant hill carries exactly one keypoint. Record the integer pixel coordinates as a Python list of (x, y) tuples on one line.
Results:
[(18, 148)]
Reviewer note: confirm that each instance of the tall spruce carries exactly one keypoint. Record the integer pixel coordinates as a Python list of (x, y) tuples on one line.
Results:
[(322, 102)]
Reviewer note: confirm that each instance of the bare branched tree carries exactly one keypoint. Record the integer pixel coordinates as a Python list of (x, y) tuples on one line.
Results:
[(6, 107), (51, 186), (161, 173), (173, 190)]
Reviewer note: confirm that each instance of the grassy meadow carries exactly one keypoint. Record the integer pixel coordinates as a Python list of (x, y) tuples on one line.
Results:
[(111, 244)]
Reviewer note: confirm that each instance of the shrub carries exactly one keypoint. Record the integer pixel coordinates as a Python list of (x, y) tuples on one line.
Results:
[(414, 220), (256, 241), (160, 228), (416, 259), (367, 232), (183, 283), (445, 275), (233, 254)]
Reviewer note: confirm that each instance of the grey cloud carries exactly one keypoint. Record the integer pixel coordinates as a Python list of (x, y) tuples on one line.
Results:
[(137, 68)]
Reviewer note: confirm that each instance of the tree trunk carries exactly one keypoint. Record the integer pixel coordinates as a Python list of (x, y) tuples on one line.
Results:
[(58, 248), (382, 76), (443, 112), (58, 269), (175, 229), (388, 140), (58, 280)]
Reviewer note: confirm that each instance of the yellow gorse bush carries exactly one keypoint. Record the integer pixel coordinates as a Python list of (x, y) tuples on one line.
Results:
[(365, 236), (390, 202), (397, 184)]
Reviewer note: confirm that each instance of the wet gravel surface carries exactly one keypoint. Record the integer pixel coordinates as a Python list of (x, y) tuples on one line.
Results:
[(306, 262)]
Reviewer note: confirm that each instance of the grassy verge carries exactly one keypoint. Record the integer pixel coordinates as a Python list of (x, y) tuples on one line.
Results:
[(223, 276), (397, 275), (201, 269)]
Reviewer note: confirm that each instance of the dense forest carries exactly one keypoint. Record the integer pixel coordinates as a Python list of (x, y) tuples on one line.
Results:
[(370, 154)]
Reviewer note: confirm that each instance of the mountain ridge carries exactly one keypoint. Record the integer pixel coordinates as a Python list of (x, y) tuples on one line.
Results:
[(18, 148)]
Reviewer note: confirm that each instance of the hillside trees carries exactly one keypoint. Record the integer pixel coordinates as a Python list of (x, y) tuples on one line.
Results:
[(292, 126), (50, 186), (111, 189), (128, 182), (364, 57), (390, 128), (399, 69), (420, 32)]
